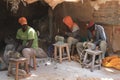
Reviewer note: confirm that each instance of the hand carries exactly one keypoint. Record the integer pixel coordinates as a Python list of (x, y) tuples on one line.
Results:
[(97, 47), (65, 32), (91, 40)]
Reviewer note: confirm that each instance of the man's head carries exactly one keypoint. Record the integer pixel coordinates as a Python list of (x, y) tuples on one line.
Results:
[(23, 23), (91, 26)]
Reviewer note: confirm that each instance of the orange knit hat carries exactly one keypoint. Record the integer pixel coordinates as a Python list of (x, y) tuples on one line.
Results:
[(68, 21), (22, 20)]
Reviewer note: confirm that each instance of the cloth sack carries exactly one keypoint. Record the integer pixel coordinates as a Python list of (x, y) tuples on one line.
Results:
[(112, 61), (2, 64), (40, 53)]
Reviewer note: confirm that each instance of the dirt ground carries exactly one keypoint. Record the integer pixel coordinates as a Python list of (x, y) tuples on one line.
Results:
[(66, 71)]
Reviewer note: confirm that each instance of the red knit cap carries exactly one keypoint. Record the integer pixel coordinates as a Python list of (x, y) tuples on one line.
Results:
[(91, 23), (22, 20)]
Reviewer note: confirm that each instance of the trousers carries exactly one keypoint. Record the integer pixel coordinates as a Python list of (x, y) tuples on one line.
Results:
[(29, 52), (71, 41), (102, 46)]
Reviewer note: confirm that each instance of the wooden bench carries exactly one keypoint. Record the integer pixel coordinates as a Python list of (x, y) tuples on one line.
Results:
[(61, 50), (93, 53), (17, 62)]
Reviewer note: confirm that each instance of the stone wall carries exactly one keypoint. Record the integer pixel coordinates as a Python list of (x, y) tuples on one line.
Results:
[(104, 12), (108, 13)]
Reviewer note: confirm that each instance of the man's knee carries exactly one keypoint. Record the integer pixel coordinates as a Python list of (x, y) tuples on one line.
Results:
[(26, 51), (79, 44), (103, 44), (69, 39)]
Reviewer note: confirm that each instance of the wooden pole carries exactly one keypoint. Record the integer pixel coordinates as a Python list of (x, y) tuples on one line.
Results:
[(50, 14)]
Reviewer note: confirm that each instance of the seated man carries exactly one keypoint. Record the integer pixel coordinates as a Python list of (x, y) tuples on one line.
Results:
[(74, 35), (28, 41), (96, 38)]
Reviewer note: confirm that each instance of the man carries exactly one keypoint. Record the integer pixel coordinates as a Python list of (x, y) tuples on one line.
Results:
[(10, 46), (97, 36), (74, 35), (28, 40)]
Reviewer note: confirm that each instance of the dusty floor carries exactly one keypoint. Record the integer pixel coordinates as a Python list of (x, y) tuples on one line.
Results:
[(66, 71)]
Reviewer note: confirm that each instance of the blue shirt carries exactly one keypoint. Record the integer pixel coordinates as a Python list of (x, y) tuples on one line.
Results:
[(99, 34)]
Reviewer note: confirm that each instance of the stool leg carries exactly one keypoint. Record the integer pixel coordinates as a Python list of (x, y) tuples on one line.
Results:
[(55, 52), (17, 66), (26, 67), (60, 54), (34, 62), (100, 57), (92, 64), (9, 68), (68, 53), (63, 50), (30, 62), (84, 60)]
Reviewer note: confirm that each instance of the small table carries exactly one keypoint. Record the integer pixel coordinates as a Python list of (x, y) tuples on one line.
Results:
[(60, 47), (94, 53), (17, 62)]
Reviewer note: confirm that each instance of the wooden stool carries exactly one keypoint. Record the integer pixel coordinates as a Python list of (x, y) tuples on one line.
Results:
[(34, 61), (17, 62), (61, 47), (93, 53)]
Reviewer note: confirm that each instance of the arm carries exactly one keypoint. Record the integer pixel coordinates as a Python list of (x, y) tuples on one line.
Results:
[(29, 43), (18, 43), (100, 35), (30, 38), (90, 38), (74, 31), (68, 33)]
